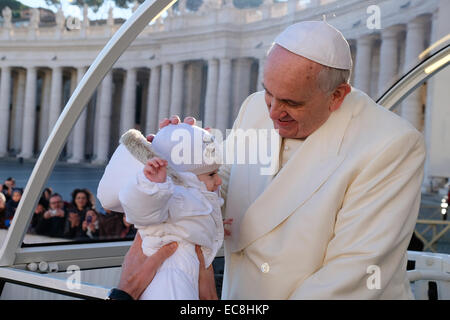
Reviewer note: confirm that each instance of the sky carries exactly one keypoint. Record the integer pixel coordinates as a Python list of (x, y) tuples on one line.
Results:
[(74, 11)]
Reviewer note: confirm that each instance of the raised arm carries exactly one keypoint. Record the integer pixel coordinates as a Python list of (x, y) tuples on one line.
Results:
[(145, 198)]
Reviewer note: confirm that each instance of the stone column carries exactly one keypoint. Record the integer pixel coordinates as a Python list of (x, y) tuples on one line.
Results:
[(79, 131), (5, 88), (29, 114), (164, 92), (211, 93), (388, 58), (411, 108), (151, 123), (291, 6), (223, 94), (98, 96), (363, 63), (192, 98), (266, 8), (18, 110), (55, 97), (261, 63), (45, 107), (128, 107), (104, 121), (176, 99), (241, 83), (73, 85)]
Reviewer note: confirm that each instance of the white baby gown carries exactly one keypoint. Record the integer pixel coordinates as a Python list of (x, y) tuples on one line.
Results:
[(163, 213)]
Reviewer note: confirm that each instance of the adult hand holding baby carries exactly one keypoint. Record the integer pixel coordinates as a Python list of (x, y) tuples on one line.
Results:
[(173, 120), (138, 270)]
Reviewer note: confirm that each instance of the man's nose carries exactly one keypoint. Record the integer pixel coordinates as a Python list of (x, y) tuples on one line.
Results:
[(275, 109)]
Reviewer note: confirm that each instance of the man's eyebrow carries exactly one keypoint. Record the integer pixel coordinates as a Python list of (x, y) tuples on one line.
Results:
[(285, 100), (262, 83)]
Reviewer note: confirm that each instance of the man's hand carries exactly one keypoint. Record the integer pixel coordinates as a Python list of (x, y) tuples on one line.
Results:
[(59, 213), (156, 170), (206, 282), (173, 120), (226, 225), (74, 219), (138, 270), (47, 214)]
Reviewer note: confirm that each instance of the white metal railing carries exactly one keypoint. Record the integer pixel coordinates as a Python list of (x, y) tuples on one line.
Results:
[(430, 267), (48, 282)]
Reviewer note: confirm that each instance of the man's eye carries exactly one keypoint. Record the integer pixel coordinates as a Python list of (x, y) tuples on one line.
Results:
[(293, 104)]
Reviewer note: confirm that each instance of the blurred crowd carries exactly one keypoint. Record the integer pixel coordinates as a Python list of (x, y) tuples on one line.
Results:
[(55, 217)]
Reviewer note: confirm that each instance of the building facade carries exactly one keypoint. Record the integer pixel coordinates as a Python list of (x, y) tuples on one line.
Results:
[(202, 63)]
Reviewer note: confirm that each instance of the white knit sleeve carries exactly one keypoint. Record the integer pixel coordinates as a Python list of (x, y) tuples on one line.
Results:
[(146, 202)]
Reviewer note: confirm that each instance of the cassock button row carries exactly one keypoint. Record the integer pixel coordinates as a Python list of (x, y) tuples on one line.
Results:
[(265, 267)]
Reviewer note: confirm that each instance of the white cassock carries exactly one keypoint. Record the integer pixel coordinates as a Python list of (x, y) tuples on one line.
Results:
[(336, 220)]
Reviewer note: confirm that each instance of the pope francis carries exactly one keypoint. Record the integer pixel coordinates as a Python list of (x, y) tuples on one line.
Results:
[(335, 221), (336, 218)]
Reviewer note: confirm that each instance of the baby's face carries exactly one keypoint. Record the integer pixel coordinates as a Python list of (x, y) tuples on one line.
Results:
[(211, 180)]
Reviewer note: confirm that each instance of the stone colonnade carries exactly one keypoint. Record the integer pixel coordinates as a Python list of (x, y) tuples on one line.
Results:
[(32, 98), (211, 89)]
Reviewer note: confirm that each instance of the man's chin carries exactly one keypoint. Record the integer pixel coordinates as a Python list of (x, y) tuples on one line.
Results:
[(284, 132), (288, 133)]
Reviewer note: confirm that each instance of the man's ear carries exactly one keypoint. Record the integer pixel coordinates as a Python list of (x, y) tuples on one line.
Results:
[(338, 95)]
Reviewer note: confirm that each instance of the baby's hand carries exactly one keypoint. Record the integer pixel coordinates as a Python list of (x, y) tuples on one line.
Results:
[(226, 222), (156, 170)]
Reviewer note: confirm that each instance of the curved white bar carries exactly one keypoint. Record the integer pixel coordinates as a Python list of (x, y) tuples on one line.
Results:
[(121, 40), (415, 78), (414, 275)]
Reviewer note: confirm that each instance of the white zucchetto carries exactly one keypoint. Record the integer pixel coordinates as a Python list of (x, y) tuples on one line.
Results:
[(317, 41)]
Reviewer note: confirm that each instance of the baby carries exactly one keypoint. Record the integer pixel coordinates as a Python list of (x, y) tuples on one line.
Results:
[(188, 213)]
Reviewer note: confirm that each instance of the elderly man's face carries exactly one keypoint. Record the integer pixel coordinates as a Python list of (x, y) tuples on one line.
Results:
[(297, 106)]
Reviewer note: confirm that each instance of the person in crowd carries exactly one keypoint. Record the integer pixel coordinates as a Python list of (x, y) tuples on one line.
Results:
[(113, 225), (53, 220), (72, 228), (11, 206), (82, 201), (37, 217), (110, 224), (2, 210), (8, 187), (90, 225), (45, 198)]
